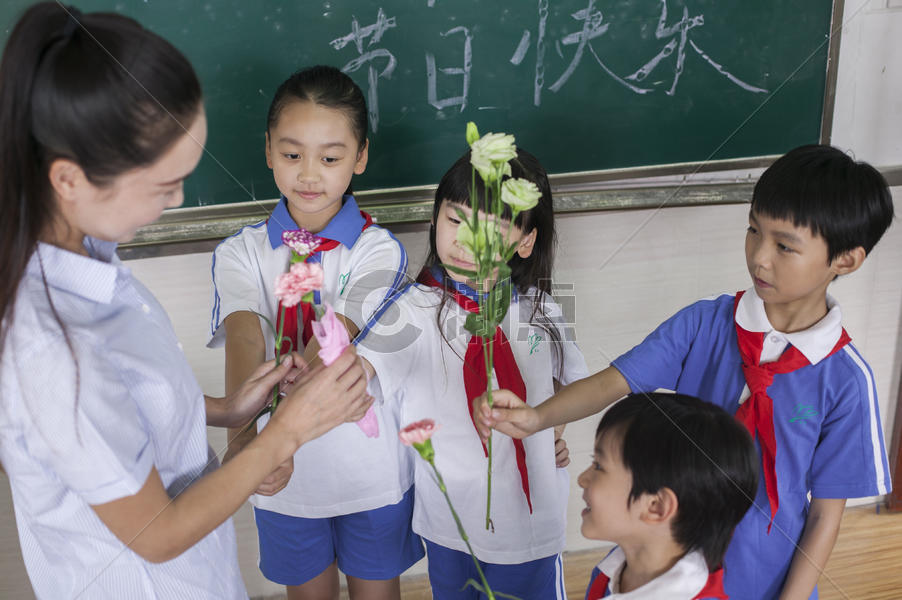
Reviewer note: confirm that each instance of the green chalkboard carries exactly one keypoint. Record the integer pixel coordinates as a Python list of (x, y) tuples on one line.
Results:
[(583, 84)]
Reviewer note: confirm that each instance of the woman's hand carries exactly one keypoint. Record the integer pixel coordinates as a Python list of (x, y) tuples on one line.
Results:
[(322, 398)]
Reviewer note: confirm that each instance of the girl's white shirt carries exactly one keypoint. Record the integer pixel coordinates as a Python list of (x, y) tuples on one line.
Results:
[(343, 471), (418, 369), (71, 438)]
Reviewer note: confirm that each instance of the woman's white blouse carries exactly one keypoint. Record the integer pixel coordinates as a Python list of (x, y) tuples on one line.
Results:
[(86, 432)]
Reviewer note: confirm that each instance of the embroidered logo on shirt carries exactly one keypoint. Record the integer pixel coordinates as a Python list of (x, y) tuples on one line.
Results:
[(343, 281), (804, 412), (533, 339)]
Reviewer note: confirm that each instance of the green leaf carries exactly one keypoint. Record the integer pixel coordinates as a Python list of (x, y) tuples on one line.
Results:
[(500, 297), (504, 271), (272, 327), (479, 326), (459, 271), (509, 251)]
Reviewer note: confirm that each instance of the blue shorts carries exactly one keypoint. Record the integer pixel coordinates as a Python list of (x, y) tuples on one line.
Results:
[(372, 544), (449, 570)]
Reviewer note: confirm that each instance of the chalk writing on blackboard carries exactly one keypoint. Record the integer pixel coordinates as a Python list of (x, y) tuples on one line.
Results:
[(523, 47), (358, 35), (431, 75), (592, 25), (682, 28)]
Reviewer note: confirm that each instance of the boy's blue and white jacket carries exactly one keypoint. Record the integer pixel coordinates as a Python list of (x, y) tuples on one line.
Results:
[(343, 471), (826, 420)]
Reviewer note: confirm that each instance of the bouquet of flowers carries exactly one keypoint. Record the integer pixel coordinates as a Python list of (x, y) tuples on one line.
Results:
[(298, 285), (480, 234)]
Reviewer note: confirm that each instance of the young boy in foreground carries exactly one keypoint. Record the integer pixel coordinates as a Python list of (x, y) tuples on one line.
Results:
[(671, 476), (776, 357)]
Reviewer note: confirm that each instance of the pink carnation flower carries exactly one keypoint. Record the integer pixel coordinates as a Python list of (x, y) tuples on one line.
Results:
[(331, 335), (333, 339), (301, 241), (301, 279), (418, 433)]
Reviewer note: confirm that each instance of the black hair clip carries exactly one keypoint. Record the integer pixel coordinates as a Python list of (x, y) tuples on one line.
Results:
[(73, 22)]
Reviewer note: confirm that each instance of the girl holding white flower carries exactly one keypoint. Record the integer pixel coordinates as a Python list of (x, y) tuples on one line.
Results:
[(432, 375), (345, 501)]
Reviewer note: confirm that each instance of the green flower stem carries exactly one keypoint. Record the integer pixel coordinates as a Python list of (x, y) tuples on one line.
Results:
[(460, 528), (487, 353), (275, 389)]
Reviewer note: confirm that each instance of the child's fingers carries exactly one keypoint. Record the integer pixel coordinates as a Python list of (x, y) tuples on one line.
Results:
[(278, 479), (506, 399), (515, 422), (561, 453)]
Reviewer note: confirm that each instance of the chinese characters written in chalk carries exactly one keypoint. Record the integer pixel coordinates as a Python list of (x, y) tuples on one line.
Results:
[(588, 24)]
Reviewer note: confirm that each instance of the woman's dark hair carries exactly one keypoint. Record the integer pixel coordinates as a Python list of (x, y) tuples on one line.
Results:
[(704, 455), (847, 203), (97, 89), (526, 273), (326, 86)]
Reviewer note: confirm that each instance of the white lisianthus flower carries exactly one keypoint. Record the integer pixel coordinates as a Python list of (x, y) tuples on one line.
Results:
[(490, 155), (476, 242), (520, 194)]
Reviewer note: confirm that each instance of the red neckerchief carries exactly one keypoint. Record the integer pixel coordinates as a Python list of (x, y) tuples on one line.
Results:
[(308, 315), (757, 412), (475, 379), (713, 587)]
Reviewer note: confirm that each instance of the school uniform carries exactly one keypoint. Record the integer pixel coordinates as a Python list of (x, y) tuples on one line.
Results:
[(688, 579), (825, 420), (76, 436), (419, 363), (343, 472)]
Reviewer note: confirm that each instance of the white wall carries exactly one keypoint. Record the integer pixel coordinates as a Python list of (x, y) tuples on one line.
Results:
[(677, 256)]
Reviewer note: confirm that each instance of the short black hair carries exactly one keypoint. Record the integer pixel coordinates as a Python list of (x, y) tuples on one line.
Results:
[(847, 203), (695, 449)]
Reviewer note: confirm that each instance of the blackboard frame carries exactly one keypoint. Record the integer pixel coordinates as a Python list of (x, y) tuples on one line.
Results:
[(197, 229)]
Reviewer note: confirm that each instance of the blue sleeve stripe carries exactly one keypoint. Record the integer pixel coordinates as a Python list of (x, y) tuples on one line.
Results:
[(880, 465), (389, 300), (391, 294), (217, 303)]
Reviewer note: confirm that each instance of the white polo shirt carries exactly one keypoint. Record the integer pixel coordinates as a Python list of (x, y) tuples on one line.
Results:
[(343, 471), (424, 373), (683, 581), (71, 439)]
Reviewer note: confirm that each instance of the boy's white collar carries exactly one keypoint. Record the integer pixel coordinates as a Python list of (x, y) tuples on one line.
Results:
[(815, 343), (685, 579)]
